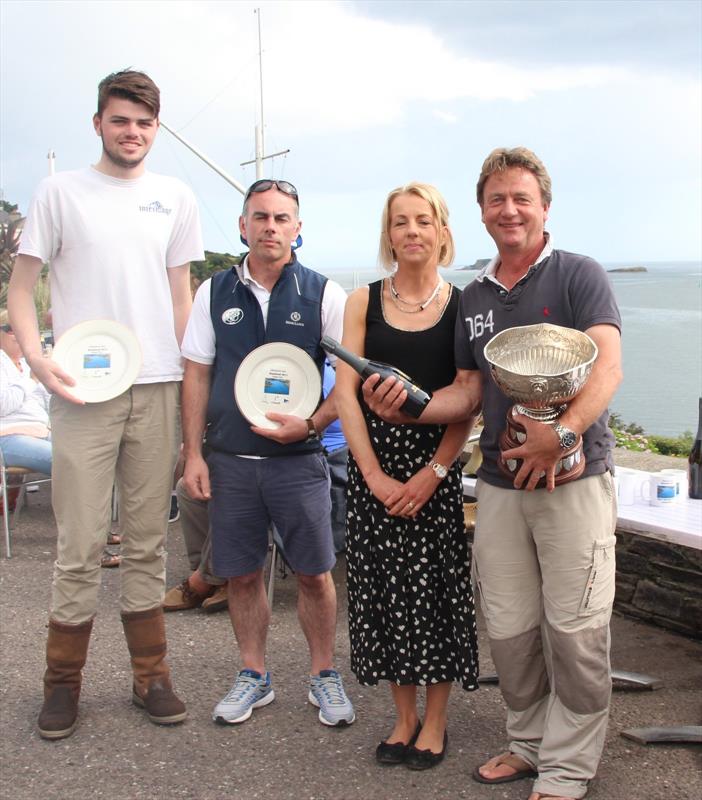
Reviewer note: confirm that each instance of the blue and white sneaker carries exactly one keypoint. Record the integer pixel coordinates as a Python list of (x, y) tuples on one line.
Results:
[(251, 690), (327, 693)]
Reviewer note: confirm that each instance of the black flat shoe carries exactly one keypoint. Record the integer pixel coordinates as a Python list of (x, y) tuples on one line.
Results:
[(395, 753), (425, 759)]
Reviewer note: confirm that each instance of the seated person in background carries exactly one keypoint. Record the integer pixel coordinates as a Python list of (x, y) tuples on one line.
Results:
[(203, 589), (24, 407), (25, 439), (337, 452)]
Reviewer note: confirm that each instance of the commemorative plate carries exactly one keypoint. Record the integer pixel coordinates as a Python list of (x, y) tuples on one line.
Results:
[(102, 355), (277, 377)]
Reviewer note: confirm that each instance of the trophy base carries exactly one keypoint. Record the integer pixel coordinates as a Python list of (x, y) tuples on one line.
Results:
[(569, 467)]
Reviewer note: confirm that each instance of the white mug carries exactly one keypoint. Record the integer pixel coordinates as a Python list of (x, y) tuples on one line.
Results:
[(660, 489), (628, 483), (680, 477)]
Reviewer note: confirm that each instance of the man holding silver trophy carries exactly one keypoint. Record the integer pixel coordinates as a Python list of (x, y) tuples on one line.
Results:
[(539, 326)]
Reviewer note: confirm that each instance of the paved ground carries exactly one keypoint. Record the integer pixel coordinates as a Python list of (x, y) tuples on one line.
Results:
[(647, 461), (283, 752)]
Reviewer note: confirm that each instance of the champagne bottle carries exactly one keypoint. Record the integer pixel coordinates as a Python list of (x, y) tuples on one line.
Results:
[(417, 398), (695, 463)]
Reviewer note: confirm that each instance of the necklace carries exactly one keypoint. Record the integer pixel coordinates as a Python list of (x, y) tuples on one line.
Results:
[(397, 300)]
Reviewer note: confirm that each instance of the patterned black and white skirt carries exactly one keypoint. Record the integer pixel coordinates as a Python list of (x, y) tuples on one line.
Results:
[(411, 613)]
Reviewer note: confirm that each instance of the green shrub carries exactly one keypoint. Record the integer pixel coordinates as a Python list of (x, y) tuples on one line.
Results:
[(672, 446), (632, 437), (214, 262)]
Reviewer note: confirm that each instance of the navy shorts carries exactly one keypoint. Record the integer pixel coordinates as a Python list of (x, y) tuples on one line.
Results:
[(292, 492)]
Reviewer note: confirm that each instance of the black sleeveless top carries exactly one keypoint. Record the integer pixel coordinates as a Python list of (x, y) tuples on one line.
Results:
[(425, 355)]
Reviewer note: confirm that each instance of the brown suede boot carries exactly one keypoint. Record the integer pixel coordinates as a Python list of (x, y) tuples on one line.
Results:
[(66, 651), (152, 690)]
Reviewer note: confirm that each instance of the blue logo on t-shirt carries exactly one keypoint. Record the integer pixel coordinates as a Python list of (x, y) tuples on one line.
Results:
[(155, 208)]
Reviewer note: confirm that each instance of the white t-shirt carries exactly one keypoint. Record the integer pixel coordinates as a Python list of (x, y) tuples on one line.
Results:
[(24, 403), (199, 339), (110, 242)]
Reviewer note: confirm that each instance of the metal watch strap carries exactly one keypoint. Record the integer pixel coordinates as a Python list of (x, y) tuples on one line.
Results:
[(566, 437)]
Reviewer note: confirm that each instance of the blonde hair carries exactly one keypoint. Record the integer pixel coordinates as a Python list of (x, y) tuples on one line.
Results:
[(503, 158), (431, 194), (4, 317)]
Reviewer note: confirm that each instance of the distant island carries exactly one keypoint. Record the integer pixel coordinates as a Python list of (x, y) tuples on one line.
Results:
[(481, 263)]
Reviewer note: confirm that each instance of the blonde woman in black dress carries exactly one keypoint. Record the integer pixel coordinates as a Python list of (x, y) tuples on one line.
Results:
[(411, 616)]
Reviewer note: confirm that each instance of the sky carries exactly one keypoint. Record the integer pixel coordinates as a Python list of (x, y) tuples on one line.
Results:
[(371, 95)]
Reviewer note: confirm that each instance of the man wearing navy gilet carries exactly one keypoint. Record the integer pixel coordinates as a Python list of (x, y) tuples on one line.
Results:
[(252, 475)]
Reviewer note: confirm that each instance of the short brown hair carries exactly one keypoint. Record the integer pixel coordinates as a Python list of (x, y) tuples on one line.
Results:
[(503, 158), (130, 85), (441, 216)]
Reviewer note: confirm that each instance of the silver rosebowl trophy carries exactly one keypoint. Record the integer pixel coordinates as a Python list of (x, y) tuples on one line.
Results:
[(541, 367)]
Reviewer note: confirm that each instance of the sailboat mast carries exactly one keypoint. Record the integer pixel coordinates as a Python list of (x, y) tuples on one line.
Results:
[(259, 128), (260, 157)]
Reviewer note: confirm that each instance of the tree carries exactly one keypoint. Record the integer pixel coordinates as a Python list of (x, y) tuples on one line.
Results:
[(11, 222), (214, 262)]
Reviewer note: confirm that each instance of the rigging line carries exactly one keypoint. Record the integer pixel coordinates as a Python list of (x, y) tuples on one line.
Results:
[(213, 99), (200, 196)]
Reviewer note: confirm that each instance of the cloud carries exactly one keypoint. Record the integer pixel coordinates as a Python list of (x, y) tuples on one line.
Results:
[(445, 116), (338, 69), (327, 67), (367, 102), (663, 34)]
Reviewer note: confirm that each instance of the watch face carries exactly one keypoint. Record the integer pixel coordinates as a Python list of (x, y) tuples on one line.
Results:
[(568, 438), (440, 470)]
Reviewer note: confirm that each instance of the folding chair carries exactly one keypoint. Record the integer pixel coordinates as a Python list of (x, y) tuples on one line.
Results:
[(6, 473)]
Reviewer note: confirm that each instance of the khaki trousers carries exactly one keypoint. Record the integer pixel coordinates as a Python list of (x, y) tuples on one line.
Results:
[(131, 440), (545, 567)]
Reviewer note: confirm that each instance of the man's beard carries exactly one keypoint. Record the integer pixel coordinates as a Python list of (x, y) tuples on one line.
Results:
[(119, 161)]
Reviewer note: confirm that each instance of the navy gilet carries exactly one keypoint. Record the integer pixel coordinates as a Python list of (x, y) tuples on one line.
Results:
[(294, 316)]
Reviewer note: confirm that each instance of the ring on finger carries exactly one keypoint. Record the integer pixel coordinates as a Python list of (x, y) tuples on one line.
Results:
[(410, 505)]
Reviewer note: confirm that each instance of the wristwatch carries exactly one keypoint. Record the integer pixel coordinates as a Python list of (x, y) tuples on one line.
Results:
[(439, 469), (566, 437), (311, 430)]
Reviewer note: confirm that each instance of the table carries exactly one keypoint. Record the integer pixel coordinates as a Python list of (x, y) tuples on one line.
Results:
[(677, 523)]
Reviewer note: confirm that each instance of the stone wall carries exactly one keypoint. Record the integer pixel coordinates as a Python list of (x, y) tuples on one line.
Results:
[(657, 582), (660, 583)]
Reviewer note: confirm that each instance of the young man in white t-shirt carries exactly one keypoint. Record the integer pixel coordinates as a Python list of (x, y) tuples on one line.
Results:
[(119, 241)]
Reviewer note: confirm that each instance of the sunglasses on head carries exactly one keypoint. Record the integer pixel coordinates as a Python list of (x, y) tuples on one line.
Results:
[(6, 328), (265, 184)]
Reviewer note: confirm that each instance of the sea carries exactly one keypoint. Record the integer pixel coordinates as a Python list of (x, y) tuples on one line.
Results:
[(661, 310)]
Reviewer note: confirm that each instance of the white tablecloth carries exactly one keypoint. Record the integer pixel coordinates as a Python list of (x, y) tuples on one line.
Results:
[(677, 523)]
